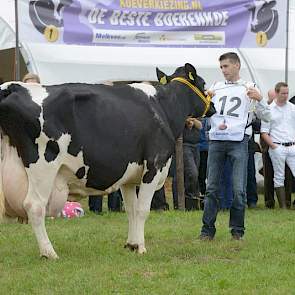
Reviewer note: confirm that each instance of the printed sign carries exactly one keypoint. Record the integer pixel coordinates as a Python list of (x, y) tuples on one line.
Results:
[(158, 23)]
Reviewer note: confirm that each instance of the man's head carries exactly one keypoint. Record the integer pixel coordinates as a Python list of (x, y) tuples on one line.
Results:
[(282, 93), (230, 65), (31, 78)]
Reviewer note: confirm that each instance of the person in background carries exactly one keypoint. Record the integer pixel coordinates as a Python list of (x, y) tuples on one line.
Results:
[(191, 160), (159, 202), (268, 173), (114, 202), (279, 135), (203, 148), (31, 78), (253, 147)]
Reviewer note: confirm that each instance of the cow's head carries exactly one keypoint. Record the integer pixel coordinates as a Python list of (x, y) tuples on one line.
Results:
[(188, 75), (47, 12), (264, 17)]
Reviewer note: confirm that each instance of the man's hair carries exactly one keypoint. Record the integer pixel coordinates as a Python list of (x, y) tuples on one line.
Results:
[(232, 56), (30, 76), (279, 86)]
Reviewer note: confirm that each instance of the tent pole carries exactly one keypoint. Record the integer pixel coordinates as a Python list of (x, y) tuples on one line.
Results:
[(16, 60), (287, 46)]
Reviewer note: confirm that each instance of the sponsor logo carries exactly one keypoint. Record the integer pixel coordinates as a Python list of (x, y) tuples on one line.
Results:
[(107, 36), (142, 38), (209, 38)]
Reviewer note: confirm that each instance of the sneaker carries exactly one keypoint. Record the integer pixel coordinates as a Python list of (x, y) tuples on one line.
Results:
[(203, 237)]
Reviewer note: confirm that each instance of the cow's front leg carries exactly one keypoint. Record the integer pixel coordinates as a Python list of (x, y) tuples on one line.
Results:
[(130, 203), (145, 196), (35, 206)]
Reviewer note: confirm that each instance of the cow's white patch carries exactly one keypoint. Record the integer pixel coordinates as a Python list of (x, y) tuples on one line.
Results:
[(149, 90), (37, 91)]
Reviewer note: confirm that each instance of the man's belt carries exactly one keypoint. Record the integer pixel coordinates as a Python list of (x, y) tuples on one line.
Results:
[(285, 143)]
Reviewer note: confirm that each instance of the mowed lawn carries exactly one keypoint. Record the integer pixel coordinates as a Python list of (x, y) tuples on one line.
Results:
[(93, 260)]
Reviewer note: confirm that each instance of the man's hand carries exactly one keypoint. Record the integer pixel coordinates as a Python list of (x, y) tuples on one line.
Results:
[(190, 122), (253, 93), (210, 93)]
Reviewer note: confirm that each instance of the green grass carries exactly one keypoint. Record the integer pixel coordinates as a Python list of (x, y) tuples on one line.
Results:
[(93, 260)]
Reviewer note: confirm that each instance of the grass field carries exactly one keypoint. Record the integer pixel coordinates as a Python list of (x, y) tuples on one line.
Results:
[(93, 260)]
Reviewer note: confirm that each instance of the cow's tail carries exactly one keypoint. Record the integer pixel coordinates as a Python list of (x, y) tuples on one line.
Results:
[(2, 201)]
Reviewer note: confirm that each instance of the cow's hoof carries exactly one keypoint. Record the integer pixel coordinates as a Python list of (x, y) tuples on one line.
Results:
[(131, 247), (52, 256), (141, 250)]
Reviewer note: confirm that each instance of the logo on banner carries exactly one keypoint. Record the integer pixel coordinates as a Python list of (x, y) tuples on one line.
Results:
[(46, 16), (265, 20)]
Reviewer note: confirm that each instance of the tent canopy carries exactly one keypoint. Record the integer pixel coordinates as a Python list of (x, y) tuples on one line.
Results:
[(57, 64)]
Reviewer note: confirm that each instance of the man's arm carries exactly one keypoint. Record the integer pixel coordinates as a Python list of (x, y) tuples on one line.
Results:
[(265, 136), (262, 109)]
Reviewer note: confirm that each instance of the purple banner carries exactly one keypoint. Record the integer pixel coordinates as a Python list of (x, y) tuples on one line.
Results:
[(158, 23)]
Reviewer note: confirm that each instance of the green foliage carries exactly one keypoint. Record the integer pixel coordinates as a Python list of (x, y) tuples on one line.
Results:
[(93, 260)]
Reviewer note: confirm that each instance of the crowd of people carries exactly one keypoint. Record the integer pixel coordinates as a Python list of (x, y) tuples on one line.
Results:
[(218, 153)]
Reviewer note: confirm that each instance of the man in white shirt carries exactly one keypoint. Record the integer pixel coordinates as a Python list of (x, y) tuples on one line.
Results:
[(279, 134), (235, 101)]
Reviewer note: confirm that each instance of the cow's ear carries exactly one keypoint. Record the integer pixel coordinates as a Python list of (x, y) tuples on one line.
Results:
[(190, 72), (162, 77)]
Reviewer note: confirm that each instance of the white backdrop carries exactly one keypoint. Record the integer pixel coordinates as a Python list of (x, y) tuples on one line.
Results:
[(63, 63)]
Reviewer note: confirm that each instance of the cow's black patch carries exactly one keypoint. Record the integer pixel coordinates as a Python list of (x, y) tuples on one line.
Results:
[(80, 172), (52, 150), (19, 119)]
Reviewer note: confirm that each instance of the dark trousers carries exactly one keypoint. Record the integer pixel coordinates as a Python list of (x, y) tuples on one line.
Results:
[(159, 200), (203, 171), (252, 196), (191, 160), (114, 202), (269, 185)]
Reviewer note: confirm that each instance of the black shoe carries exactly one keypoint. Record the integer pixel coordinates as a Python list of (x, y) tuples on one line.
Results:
[(237, 237), (203, 237), (96, 212), (252, 206)]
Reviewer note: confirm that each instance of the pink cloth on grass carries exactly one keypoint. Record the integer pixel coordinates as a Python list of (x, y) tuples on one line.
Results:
[(72, 209)]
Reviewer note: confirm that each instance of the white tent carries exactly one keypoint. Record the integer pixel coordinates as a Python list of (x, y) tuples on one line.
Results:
[(63, 63)]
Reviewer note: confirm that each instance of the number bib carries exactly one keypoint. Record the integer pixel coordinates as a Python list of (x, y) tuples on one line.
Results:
[(232, 105)]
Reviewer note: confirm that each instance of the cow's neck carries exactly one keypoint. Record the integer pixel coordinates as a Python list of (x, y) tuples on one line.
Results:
[(177, 104)]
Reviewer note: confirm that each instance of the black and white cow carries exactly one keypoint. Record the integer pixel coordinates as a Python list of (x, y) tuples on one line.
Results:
[(92, 139)]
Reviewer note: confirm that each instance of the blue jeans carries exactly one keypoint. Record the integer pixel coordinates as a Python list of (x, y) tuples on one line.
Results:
[(237, 152), (226, 186)]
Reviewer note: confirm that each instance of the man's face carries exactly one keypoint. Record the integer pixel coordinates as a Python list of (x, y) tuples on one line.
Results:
[(230, 70), (283, 94)]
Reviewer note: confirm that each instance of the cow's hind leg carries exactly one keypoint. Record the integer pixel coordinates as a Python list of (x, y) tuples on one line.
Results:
[(130, 203), (35, 206)]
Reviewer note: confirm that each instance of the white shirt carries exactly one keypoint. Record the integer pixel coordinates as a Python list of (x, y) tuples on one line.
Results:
[(281, 127), (234, 111)]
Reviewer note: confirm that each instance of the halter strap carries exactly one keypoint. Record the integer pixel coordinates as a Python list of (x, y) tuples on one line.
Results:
[(206, 99)]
